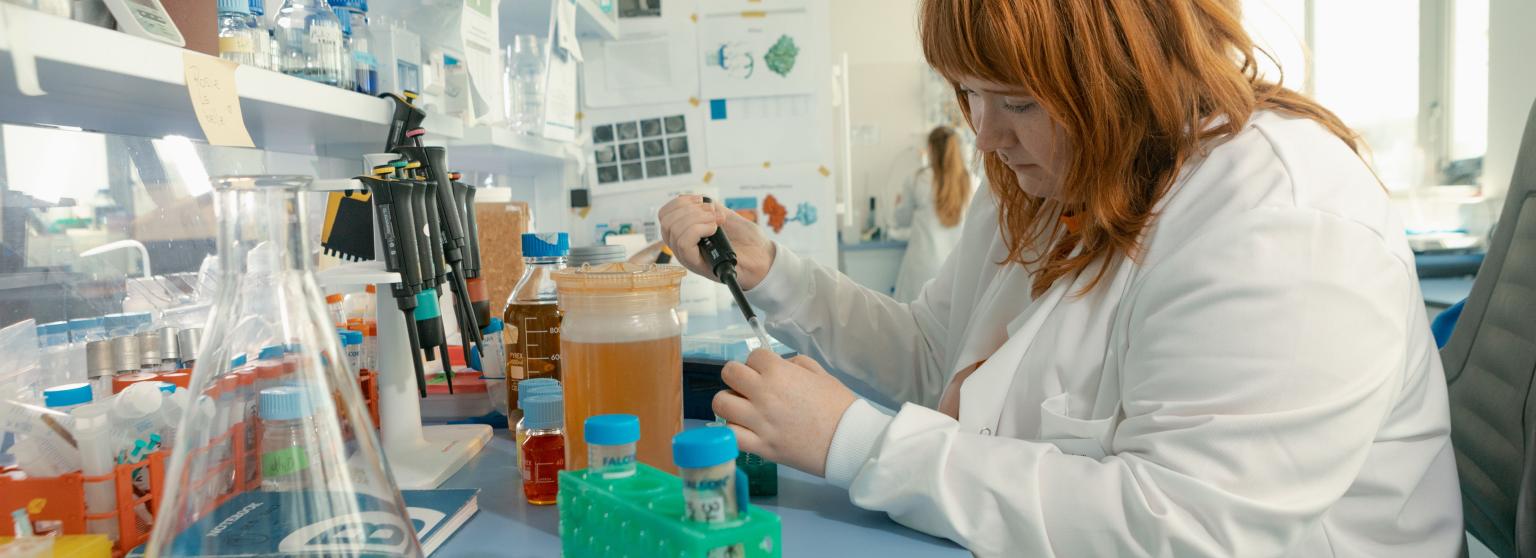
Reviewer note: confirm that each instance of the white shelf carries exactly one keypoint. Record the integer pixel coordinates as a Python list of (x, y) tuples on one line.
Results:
[(532, 16), (102, 80), (503, 151), (592, 23)]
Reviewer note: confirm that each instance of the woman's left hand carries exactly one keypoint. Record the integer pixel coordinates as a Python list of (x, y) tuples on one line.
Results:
[(783, 410)]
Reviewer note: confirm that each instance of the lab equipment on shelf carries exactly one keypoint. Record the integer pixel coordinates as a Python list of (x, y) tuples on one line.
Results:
[(308, 41), (523, 88), (239, 41), (269, 305), (532, 312), (621, 352), (265, 41), (348, 77), (354, 21), (543, 451), (611, 445)]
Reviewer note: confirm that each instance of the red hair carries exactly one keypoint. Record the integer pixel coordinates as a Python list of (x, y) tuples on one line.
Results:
[(1138, 86)]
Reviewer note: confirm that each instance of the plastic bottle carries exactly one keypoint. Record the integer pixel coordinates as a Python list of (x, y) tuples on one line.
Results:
[(264, 41), (308, 41), (533, 312), (523, 100), (348, 76), (93, 433), (611, 444), (139, 427), (67, 397), (287, 438), (713, 490), (543, 453), (536, 386), (238, 40), (333, 307), (365, 66)]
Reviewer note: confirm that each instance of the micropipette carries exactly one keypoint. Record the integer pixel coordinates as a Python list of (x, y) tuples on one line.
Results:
[(716, 248)]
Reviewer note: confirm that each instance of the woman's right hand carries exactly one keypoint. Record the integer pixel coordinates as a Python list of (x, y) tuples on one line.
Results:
[(687, 219)]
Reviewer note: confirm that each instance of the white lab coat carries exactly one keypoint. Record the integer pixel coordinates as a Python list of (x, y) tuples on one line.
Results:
[(929, 242), (1261, 381)]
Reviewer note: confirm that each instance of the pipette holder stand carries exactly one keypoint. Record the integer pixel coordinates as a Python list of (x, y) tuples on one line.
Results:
[(642, 515), (420, 457)]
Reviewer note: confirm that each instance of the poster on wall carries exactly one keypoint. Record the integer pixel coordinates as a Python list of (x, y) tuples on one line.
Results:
[(643, 147), (794, 205), (755, 130), (738, 6), (650, 63), (756, 54)]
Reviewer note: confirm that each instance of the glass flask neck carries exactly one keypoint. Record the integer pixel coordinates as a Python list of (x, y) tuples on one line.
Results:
[(262, 227)]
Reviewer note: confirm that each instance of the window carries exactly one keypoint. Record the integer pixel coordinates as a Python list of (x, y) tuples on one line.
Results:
[(1413, 82)]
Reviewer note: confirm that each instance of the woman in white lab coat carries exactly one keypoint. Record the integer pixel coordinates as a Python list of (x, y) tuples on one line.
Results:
[(1183, 320), (932, 202)]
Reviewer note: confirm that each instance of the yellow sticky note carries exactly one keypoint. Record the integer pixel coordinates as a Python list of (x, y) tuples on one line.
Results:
[(215, 101)]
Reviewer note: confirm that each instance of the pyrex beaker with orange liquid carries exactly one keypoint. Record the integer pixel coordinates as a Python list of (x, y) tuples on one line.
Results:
[(621, 352), (532, 316)]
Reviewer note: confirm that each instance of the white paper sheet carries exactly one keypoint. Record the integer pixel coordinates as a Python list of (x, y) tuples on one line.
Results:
[(755, 130), (757, 55), (794, 205)]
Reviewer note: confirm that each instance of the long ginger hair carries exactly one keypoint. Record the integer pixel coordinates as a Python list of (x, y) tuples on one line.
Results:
[(951, 180), (1139, 86)]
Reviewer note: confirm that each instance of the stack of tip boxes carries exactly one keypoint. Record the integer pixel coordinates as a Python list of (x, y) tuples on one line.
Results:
[(642, 517)]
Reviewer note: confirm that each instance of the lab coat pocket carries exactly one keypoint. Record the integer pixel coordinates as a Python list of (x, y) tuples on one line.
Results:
[(1077, 436)]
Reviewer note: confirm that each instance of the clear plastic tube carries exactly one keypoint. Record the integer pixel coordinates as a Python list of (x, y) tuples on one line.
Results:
[(93, 431)]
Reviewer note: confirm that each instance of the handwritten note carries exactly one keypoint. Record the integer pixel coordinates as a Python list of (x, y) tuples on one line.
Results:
[(211, 87)]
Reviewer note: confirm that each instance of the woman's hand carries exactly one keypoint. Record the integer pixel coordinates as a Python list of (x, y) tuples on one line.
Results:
[(687, 219), (783, 410)]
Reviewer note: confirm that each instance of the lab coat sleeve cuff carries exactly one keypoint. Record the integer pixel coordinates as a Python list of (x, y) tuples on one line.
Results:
[(854, 442), (783, 287)]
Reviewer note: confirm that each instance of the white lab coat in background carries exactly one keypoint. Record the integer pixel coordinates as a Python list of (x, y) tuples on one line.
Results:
[(929, 242), (1261, 381)]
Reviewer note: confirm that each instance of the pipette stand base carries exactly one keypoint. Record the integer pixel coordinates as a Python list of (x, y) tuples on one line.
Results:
[(442, 452)]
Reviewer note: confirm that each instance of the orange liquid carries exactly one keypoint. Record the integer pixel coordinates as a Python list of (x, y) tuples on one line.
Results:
[(641, 378), (543, 458), (533, 345)]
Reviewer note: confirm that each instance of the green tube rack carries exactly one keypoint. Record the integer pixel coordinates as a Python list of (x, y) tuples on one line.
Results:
[(762, 474), (642, 517)]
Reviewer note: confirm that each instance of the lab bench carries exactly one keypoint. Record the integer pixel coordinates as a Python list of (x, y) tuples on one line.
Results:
[(817, 518)]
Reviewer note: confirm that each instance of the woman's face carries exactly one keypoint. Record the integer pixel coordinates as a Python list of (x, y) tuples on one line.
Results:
[(1010, 125)]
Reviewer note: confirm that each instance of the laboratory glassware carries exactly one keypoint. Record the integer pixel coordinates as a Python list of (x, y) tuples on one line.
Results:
[(621, 351), (269, 304), (533, 313), (308, 39), (523, 91), (543, 452), (238, 41)]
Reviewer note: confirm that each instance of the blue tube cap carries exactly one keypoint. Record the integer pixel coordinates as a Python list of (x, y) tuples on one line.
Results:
[(285, 403), (544, 411), (67, 395), (495, 326), (270, 352), (527, 388), (704, 447), (612, 430), (546, 245)]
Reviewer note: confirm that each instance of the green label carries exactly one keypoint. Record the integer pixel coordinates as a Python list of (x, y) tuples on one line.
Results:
[(482, 6), (284, 462)]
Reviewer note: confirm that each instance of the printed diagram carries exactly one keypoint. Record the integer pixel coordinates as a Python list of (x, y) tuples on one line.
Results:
[(781, 57), (775, 211), (735, 58)]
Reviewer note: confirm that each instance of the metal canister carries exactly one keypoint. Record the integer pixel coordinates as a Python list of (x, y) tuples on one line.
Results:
[(169, 351), (149, 349), (187, 341), (125, 354), (98, 359)]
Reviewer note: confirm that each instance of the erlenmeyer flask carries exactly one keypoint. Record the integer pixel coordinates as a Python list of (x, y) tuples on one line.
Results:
[(276, 456)]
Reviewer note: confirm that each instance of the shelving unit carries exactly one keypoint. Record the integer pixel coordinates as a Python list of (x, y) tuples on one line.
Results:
[(102, 80)]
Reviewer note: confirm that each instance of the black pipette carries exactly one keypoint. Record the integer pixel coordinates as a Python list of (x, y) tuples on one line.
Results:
[(716, 249), (394, 215)]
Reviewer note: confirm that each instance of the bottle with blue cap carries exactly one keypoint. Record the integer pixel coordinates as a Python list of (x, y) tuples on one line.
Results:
[(532, 315), (713, 490), (536, 386), (543, 453), (66, 397), (352, 349), (237, 38), (611, 444), (287, 438)]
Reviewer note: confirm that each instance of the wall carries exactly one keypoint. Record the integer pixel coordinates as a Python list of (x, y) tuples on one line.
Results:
[(1511, 87), (886, 81)]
